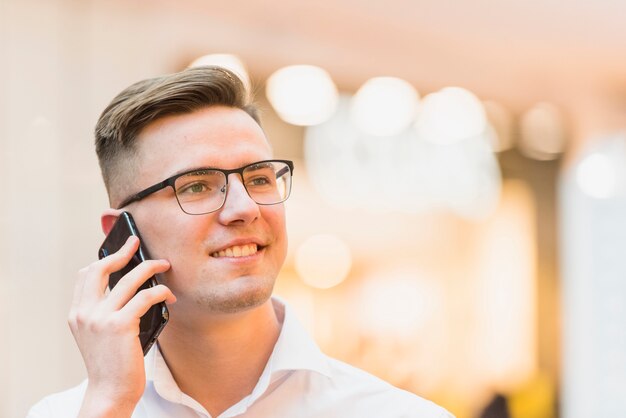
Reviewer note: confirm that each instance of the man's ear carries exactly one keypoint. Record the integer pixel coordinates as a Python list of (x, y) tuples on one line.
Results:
[(108, 218)]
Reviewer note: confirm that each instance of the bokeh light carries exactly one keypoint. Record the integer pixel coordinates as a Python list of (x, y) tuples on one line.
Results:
[(323, 261), (229, 61), (384, 106), (450, 115), (596, 176), (542, 132), (302, 95)]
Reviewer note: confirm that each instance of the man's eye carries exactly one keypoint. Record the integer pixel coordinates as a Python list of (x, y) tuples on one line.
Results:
[(259, 181), (197, 188), (194, 188)]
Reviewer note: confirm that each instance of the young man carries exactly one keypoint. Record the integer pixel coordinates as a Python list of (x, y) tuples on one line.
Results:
[(185, 154)]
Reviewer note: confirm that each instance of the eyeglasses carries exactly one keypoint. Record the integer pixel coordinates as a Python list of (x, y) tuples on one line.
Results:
[(203, 190)]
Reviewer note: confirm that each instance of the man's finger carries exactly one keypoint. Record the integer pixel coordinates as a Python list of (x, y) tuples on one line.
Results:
[(97, 274), (127, 286), (144, 300)]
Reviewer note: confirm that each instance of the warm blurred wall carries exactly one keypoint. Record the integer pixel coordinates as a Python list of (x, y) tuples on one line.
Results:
[(62, 61), (51, 194)]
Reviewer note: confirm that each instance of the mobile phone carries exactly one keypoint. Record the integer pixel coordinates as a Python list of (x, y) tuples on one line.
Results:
[(153, 322)]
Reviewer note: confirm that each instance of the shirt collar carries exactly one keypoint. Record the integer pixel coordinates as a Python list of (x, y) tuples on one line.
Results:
[(294, 350)]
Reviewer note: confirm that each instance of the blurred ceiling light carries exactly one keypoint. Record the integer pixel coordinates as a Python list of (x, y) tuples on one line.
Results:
[(396, 304), (542, 132), (501, 122), (465, 177), (302, 95), (405, 173), (323, 261), (228, 61), (335, 169), (384, 106), (596, 176), (350, 169), (450, 115)]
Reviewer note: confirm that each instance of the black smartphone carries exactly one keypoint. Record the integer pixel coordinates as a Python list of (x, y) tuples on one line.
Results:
[(153, 322)]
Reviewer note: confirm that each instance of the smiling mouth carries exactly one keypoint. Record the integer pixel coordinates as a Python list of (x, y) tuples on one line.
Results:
[(237, 251)]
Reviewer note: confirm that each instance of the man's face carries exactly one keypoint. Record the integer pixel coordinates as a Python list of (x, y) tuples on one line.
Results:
[(203, 280)]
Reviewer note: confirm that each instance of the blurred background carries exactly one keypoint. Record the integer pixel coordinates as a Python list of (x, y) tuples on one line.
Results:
[(457, 219)]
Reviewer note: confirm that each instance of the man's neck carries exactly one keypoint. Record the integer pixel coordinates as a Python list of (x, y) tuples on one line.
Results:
[(219, 361)]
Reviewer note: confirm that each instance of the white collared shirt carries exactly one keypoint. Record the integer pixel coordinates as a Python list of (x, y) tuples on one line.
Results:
[(299, 381)]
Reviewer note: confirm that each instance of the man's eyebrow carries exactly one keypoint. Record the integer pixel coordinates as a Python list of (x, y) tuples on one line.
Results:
[(260, 164), (264, 164), (192, 170)]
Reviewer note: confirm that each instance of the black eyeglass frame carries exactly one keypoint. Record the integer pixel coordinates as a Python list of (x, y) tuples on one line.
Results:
[(172, 180)]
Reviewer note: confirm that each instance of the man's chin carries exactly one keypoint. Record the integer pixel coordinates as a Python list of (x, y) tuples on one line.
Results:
[(235, 303)]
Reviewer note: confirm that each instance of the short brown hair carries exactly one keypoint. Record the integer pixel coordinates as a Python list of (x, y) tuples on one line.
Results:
[(146, 101)]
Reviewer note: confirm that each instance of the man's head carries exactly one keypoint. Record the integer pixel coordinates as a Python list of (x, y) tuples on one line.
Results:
[(223, 261), (148, 100)]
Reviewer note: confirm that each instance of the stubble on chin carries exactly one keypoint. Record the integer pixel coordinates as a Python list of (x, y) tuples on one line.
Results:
[(234, 300)]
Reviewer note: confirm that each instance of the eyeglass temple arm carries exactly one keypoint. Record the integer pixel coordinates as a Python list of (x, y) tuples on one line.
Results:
[(144, 193), (282, 172)]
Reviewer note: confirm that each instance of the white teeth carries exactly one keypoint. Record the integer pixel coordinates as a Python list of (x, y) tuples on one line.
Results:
[(236, 251)]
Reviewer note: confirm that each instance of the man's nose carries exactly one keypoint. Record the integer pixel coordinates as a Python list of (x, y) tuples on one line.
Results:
[(238, 207)]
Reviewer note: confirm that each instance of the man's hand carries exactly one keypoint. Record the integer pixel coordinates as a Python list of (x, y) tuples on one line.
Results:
[(105, 326)]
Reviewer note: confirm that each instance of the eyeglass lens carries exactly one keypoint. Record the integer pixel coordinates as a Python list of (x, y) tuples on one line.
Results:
[(204, 191)]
